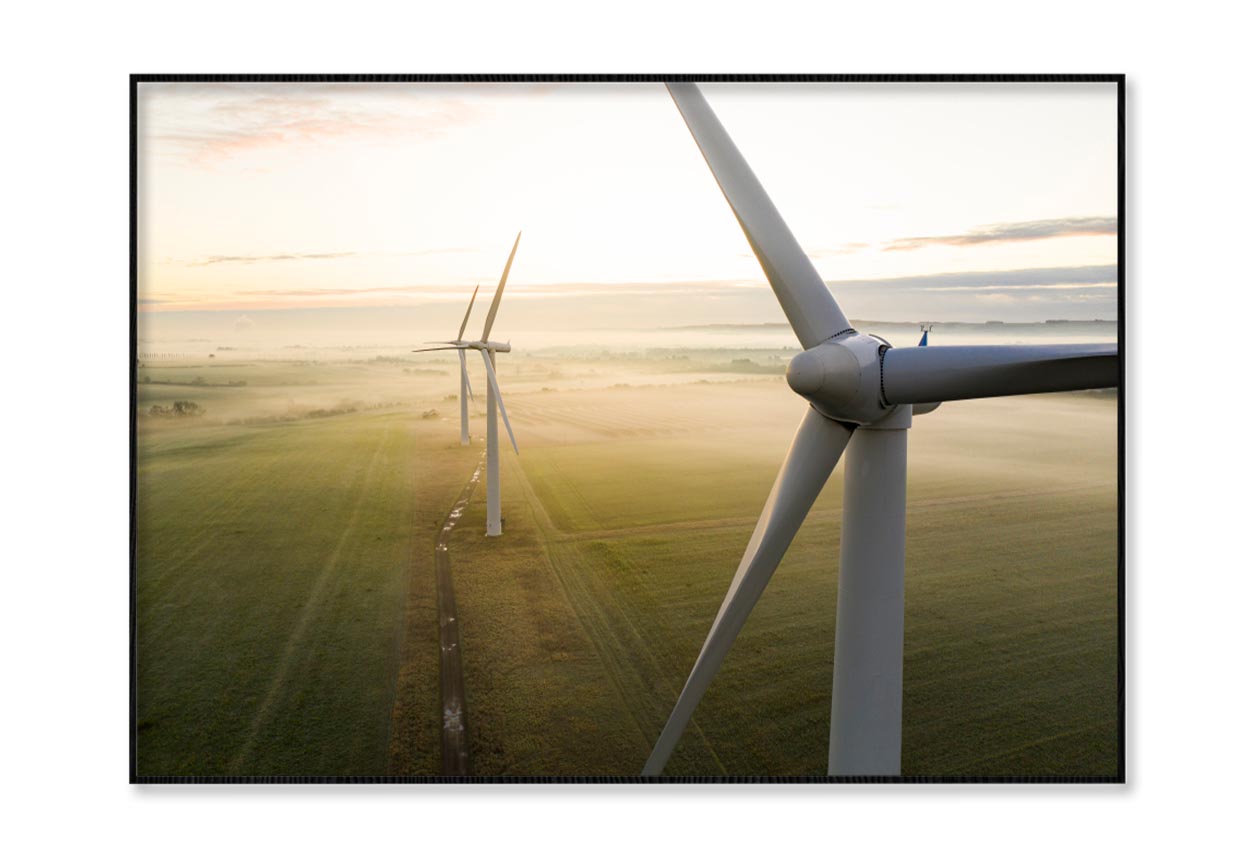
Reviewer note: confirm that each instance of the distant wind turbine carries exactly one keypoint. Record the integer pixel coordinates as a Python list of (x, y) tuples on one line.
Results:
[(862, 395), (467, 393), (488, 350)]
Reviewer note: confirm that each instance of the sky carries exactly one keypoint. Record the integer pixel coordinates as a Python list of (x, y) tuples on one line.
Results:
[(961, 202)]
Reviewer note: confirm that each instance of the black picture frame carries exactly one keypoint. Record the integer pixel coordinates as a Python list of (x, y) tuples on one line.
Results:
[(1119, 79)]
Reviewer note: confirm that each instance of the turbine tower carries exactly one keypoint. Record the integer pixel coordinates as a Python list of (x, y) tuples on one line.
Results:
[(488, 349), (862, 396)]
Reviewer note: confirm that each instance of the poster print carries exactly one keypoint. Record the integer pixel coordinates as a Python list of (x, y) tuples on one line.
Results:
[(626, 429)]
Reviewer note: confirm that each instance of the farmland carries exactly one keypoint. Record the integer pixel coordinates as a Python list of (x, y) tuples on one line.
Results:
[(1011, 587), (274, 575), (285, 605)]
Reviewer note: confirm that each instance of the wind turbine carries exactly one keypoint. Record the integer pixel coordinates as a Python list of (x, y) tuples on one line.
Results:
[(862, 396), (466, 390), (488, 349)]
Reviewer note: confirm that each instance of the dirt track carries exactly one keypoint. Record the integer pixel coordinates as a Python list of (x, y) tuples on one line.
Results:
[(452, 693)]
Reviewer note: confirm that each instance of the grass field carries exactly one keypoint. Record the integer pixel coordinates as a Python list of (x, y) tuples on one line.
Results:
[(276, 601), (1011, 584), (286, 614)]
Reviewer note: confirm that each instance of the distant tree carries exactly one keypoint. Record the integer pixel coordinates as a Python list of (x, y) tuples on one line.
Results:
[(180, 409)]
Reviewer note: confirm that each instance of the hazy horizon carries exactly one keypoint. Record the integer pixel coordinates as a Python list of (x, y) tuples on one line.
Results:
[(396, 330), (916, 202)]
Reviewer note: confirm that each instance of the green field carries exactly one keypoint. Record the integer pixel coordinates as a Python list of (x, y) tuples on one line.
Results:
[(276, 602), (286, 592), (1011, 626)]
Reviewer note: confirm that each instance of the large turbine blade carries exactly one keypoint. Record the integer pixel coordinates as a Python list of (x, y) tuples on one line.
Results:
[(438, 349), (491, 378), (461, 333), (811, 458), (935, 374), (808, 304), (500, 288), (465, 374)]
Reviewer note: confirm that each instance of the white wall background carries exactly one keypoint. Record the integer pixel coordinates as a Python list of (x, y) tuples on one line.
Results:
[(64, 603)]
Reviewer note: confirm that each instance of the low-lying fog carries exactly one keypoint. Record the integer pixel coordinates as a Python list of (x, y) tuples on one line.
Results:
[(289, 365)]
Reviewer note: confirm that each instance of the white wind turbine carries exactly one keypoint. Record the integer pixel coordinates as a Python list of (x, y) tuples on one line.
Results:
[(862, 395), (467, 393), (488, 350)]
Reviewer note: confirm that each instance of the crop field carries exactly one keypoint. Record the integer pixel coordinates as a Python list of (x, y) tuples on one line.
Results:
[(286, 616)]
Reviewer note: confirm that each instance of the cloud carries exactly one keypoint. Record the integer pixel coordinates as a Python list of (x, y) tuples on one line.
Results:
[(525, 291), (315, 256), (950, 295), (1039, 278), (1016, 295), (1002, 288), (204, 124), (252, 259), (453, 251), (1013, 232), (243, 324)]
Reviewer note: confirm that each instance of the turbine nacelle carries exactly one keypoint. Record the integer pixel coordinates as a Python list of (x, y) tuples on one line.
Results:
[(842, 378)]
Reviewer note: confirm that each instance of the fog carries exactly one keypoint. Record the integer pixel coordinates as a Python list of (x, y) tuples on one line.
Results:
[(395, 330)]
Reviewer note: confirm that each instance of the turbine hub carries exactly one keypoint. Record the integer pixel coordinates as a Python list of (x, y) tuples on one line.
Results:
[(805, 373), (841, 379)]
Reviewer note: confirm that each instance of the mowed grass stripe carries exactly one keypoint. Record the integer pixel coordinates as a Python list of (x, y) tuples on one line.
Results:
[(209, 653), (341, 687), (298, 636), (206, 489), (625, 653), (540, 698), (242, 503), (670, 589)]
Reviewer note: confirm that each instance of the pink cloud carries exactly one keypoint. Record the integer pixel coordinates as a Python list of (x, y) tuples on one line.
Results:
[(208, 124)]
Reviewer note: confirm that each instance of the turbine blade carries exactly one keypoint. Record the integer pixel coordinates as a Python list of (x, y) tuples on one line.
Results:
[(465, 374), (500, 288), (437, 349), (491, 377), (815, 449), (936, 374), (461, 333), (810, 308)]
